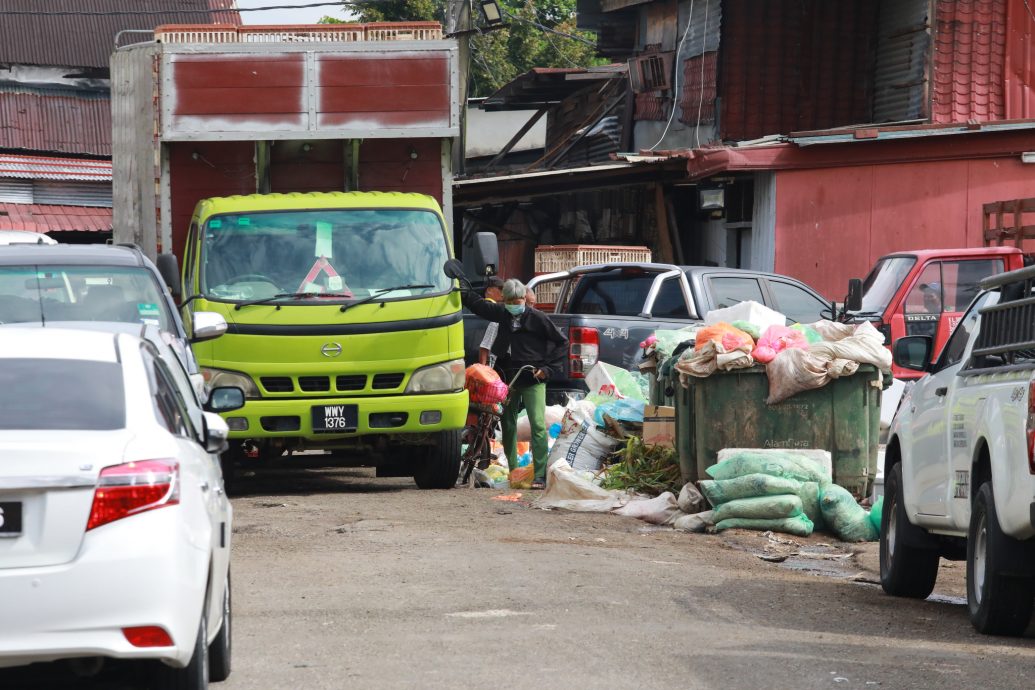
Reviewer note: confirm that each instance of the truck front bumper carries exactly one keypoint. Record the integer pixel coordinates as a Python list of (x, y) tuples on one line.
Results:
[(392, 414)]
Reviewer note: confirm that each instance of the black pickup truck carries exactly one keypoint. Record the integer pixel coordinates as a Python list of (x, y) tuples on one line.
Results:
[(607, 310)]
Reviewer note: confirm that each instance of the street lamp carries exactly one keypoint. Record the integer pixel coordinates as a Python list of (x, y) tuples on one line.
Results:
[(491, 12)]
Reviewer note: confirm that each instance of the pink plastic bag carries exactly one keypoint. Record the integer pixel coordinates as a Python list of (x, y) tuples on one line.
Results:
[(775, 340)]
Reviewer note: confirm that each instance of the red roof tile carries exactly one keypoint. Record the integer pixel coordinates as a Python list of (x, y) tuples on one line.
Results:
[(40, 218), (968, 59)]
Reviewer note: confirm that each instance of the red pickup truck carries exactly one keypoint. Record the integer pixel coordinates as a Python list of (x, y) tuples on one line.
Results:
[(925, 292)]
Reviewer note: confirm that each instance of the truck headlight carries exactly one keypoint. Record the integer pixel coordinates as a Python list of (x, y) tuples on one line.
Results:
[(438, 378), (224, 377)]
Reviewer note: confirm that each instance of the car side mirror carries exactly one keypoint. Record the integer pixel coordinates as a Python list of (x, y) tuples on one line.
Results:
[(225, 399), (854, 300), (913, 352), (217, 433), (207, 325), (170, 272)]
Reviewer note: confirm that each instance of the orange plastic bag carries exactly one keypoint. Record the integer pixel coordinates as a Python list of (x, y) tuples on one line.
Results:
[(521, 478), (481, 374), (523, 447), (729, 337)]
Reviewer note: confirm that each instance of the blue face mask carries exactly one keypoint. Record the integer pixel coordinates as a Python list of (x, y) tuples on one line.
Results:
[(515, 309)]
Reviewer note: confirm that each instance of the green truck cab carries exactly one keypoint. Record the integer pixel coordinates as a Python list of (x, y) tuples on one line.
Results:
[(343, 330)]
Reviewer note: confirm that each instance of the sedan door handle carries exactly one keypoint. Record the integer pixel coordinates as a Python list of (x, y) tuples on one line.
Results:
[(204, 486), (940, 391)]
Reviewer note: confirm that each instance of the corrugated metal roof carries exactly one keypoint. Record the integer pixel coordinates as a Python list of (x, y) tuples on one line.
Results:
[(41, 218), (969, 57), (39, 121), (903, 46), (85, 40), (42, 168)]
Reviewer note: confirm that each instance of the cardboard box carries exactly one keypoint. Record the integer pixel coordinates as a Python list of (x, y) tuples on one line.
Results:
[(659, 426)]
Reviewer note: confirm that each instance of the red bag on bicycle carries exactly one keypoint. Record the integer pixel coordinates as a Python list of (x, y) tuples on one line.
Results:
[(484, 385)]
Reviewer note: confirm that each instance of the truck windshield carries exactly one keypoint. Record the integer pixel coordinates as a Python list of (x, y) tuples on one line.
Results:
[(326, 255), (883, 282)]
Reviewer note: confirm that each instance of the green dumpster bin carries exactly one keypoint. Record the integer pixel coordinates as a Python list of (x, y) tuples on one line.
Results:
[(728, 410)]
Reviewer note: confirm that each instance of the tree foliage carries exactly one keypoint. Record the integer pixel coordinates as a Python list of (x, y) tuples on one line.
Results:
[(497, 57)]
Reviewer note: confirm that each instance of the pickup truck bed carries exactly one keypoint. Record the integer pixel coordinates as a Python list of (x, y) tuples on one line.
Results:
[(617, 306)]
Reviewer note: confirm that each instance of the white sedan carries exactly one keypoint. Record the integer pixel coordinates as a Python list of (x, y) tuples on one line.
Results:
[(114, 526)]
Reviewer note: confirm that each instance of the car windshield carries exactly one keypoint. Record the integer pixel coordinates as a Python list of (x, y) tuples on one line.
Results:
[(883, 282), (41, 294), (61, 394), (336, 255)]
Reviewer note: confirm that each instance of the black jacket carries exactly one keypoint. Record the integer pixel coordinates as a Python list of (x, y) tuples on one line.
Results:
[(528, 339)]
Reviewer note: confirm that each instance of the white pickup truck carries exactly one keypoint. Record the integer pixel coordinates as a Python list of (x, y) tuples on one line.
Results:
[(959, 468)]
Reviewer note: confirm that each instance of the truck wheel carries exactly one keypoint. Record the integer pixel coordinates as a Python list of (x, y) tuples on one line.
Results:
[(999, 604), (441, 465), (905, 570)]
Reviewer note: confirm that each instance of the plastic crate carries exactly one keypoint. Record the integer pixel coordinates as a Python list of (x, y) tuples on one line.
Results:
[(562, 257), (196, 33), (404, 31), (302, 34)]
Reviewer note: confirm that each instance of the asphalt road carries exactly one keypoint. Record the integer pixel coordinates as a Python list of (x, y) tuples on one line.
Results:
[(346, 581)]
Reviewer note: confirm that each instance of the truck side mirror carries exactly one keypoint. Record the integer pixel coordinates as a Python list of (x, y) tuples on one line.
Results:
[(913, 352), (483, 254), (454, 269), (170, 272), (207, 325), (854, 300)]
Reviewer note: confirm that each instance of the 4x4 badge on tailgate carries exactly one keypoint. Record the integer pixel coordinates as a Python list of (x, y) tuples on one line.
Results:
[(331, 349)]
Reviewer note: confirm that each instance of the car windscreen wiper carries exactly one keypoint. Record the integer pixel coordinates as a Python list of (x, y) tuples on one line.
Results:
[(381, 293), (288, 295)]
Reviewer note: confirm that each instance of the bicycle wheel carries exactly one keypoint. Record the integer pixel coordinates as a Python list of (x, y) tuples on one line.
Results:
[(475, 449)]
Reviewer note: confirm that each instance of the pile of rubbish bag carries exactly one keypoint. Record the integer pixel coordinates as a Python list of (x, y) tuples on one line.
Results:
[(757, 489), (797, 358)]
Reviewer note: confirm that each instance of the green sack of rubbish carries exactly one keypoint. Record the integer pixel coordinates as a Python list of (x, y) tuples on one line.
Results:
[(627, 383), (799, 525), (876, 512), (810, 333), (809, 495), (848, 520), (719, 491), (760, 508), (787, 465), (751, 329), (668, 341)]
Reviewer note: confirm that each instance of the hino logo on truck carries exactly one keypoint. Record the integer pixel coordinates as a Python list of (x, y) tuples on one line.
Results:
[(331, 349)]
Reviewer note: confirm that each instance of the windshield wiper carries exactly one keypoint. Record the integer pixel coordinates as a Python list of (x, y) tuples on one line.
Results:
[(381, 292), (287, 295)]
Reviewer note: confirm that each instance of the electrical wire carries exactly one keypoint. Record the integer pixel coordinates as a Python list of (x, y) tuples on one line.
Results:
[(543, 27), (675, 91), (119, 13)]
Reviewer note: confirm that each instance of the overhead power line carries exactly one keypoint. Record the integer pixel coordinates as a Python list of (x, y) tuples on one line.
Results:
[(543, 27)]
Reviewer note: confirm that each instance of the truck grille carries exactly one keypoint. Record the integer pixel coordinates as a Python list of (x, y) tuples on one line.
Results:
[(313, 384), (352, 382), (387, 381), (277, 384)]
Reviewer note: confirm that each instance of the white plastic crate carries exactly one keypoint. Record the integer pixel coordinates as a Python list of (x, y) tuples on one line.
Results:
[(562, 257), (309, 34), (196, 33), (399, 31), (227, 33)]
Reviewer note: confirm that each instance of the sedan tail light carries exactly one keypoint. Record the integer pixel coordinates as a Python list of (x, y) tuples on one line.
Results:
[(1030, 427), (583, 351), (132, 488)]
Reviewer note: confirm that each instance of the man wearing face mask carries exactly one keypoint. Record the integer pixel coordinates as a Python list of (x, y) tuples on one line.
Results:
[(526, 338)]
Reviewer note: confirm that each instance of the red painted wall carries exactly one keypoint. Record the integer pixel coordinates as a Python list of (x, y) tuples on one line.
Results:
[(386, 165), (221, 169), (833, 223)]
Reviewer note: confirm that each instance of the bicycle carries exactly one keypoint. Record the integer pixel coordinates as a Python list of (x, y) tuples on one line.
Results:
[(479, 435)]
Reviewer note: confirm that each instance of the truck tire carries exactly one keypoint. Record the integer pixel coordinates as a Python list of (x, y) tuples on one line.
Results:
[(999, 604), (441, 465), (229, 460), (905, 570)]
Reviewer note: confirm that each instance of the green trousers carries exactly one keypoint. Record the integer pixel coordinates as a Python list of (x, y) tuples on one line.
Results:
[(534, 399)]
